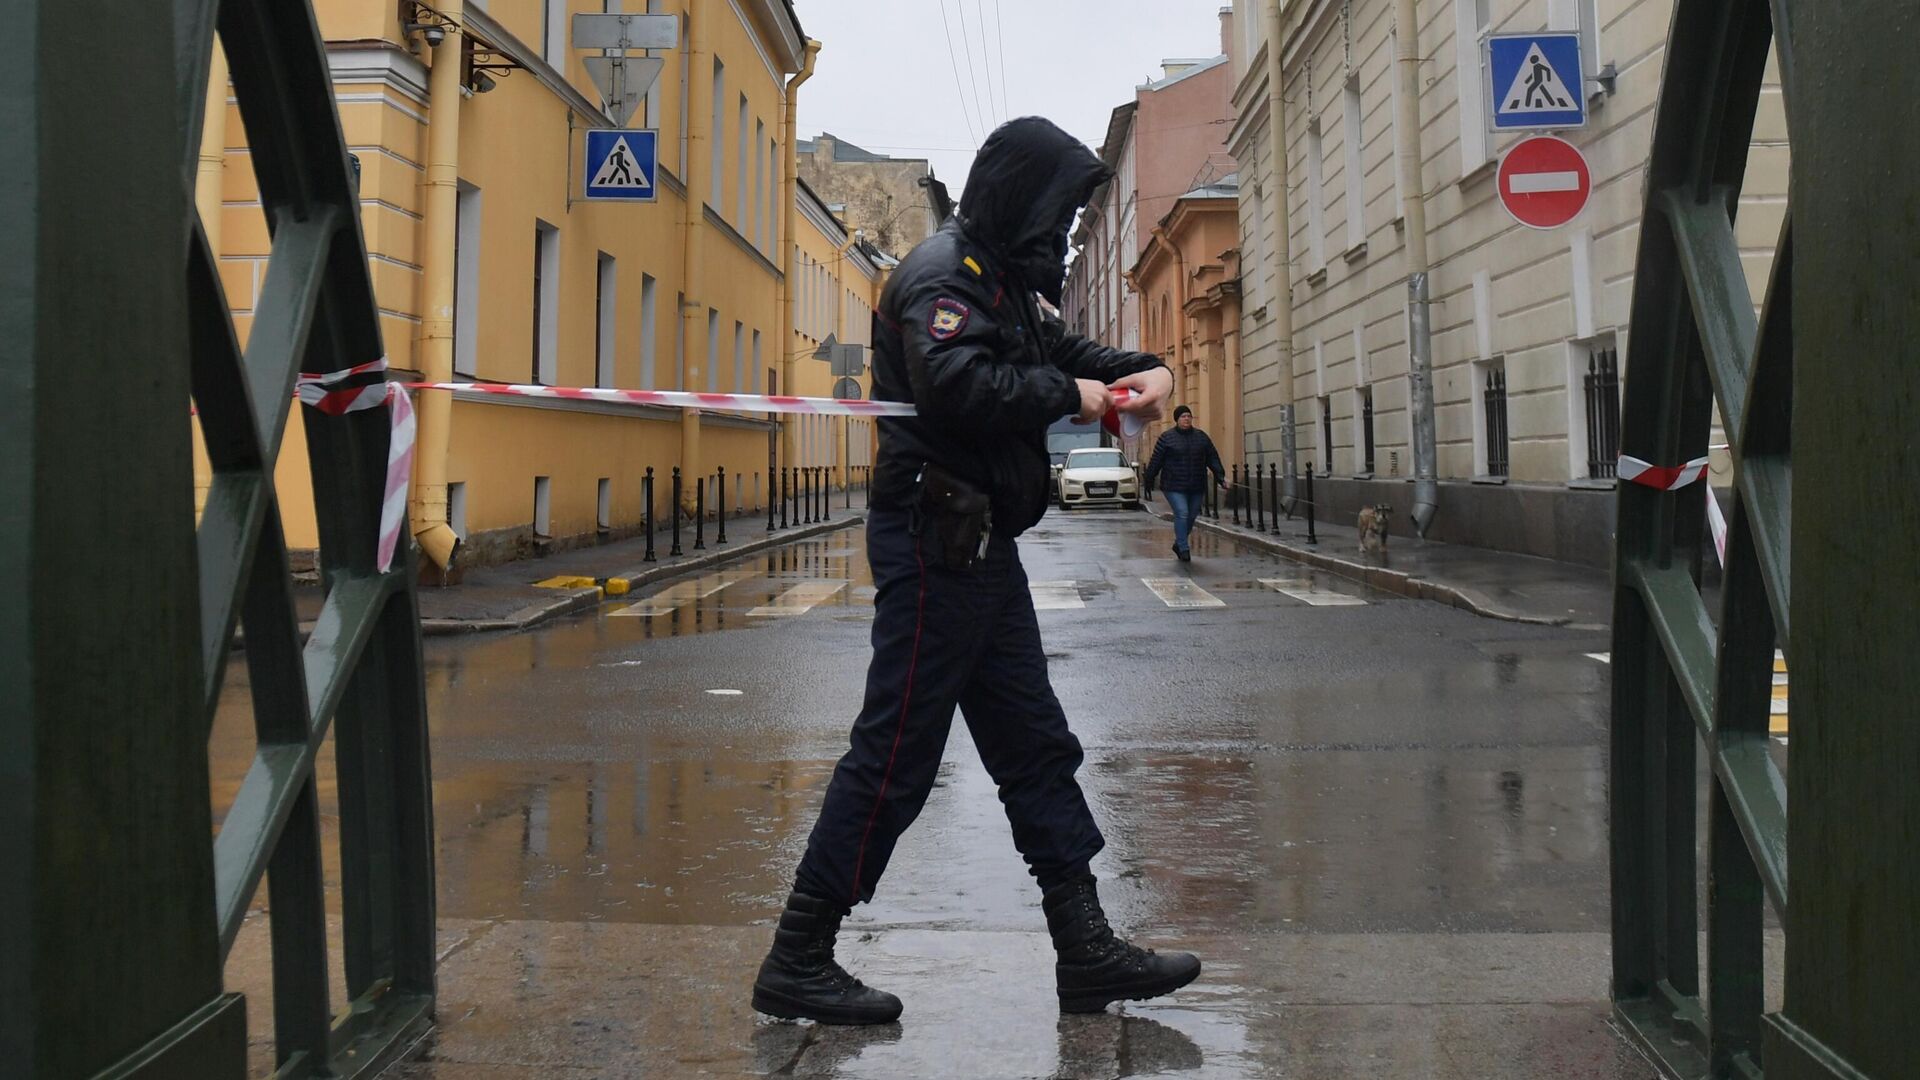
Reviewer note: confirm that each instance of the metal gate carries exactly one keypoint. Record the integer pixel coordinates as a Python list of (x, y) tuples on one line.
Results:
[(1825, 375), (126, 902)]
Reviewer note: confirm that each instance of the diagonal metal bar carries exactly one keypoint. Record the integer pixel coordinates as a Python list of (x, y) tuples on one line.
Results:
[(235, 509), (1764, 467), (221, 388), (284, 318), (193, 45), (1757, 790), (1722, 303), (1679, 618), (273, 783)]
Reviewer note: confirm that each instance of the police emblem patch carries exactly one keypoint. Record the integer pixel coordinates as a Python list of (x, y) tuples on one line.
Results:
[(949, 318)]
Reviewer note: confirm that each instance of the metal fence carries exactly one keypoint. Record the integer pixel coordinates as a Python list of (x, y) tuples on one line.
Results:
[(1494, 397), (1603, 414)]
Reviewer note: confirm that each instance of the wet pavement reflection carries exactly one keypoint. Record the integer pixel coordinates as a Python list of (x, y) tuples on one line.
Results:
[(1289, 786)]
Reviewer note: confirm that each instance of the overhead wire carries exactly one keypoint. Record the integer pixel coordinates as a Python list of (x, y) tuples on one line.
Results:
[(1000, 31), (959, 90), (986, 56), (973, 72)]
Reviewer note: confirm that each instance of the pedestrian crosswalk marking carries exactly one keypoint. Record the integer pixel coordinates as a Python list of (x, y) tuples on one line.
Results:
[(681, 594), (1182, 593), (1605, 658), (801, 598), (1777, 707), (1055, 595), (1302, 590)]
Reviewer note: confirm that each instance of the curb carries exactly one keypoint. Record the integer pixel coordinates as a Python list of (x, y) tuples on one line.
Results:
[(1397, 582), (578, 599)]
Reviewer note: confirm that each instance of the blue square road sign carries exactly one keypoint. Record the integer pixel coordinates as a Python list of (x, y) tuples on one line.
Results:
[(622, 164), (1536, 81)]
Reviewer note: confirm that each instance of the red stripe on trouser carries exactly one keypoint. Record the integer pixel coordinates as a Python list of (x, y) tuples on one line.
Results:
[(913, 662)]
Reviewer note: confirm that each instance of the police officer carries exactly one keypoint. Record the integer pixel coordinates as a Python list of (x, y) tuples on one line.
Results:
[(959, 333)]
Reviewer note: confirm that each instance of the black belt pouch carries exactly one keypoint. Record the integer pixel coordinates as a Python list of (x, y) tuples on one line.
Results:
[(957, 516)]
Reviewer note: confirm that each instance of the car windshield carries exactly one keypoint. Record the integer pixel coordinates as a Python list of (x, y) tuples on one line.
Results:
[(1095, 459)]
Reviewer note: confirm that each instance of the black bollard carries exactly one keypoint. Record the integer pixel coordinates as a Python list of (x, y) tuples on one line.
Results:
[(722, 538), (700, 513), (1273, 494), (846, 477), (647, 487), (674, 513), (778, 489), (1311, 538), (1259, 504), (826, 493), (1230, 491)]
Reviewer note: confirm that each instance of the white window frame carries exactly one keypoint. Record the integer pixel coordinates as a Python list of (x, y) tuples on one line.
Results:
[(547, 333), (718, 137), (1316, 200), (606, 336), (603, 509), (1393, 152), (1352, 136), (741, 208), (1471, 84), (543, 506), (713, 350), (553, 34), (757, 366), (739, 357), (759, 232), (466, 281), (679, 338), (649, 330), (457, 508)]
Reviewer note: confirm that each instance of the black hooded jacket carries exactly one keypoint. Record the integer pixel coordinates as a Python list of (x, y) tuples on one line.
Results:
[(959, 334)]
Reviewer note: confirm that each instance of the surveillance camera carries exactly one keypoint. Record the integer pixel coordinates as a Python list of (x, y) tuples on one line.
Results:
[(434, 35), (483, 82)]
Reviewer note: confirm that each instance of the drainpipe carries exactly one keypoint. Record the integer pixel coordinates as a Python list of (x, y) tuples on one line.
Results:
[(1413, 207), (789, 213), (209, 196), (429, 510), (1282, 240), (699, 163), (840, 334)]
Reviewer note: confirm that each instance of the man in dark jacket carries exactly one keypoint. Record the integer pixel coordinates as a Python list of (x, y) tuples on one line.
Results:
[(959, 334), (1181, 460)]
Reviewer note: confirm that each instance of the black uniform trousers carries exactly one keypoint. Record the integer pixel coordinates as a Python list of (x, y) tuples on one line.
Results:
[(943, 638)]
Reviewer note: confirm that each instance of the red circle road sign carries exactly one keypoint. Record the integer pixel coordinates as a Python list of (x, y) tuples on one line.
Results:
[(1544, 182)]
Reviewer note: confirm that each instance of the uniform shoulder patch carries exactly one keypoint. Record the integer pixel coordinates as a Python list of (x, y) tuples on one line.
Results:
[(948, 318), (973, 266)]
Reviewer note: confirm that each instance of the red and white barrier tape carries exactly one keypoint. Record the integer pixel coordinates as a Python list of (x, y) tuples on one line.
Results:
[(686, 399), (319, 392), (1661, 477), (1717, 521)]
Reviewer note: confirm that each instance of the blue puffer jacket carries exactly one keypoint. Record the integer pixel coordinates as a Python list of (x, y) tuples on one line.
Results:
[(1181, 460)]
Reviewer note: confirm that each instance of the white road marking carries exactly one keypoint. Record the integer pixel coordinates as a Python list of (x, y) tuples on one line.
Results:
[(1055, 595), (726, 693), (800, 599), (1302, 590), (683, 593), (1534, 182), (1605, 658), (1182, 593)]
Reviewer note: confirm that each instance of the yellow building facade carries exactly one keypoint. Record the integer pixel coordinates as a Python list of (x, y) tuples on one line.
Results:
[(489, 266)]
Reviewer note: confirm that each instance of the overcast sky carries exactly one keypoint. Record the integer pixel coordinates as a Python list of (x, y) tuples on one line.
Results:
[(886, 80)]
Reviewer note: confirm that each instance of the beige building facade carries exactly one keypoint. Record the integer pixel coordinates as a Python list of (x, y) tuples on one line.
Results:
[(886, 198), (1526, 323)]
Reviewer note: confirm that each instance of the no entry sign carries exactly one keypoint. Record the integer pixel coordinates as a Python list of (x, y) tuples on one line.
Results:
[(1544, 182)]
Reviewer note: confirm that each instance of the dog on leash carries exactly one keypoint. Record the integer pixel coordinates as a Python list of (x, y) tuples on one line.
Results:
[(1373, 528)]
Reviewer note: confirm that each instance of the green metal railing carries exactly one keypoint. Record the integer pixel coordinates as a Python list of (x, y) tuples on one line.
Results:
[(1691, 682), (123, 902)]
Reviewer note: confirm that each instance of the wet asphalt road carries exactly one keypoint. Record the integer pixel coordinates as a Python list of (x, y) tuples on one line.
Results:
[(1380, 821)]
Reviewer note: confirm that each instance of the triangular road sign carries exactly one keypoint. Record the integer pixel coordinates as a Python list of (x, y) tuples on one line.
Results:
[(1537, 87), (623, 81), (621, 170)]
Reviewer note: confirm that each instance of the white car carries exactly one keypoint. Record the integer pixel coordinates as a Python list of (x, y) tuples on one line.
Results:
[(1098, 476)]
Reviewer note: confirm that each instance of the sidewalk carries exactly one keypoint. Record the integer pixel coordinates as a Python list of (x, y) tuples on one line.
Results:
[(1496, 584), (510, 597)]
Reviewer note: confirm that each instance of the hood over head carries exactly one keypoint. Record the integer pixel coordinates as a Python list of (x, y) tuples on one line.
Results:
[(1027, 183)]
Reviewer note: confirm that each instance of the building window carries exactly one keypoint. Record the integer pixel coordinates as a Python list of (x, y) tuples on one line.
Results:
[(457, 509), (1472, 22), (606, 309), (1492, 387), (553, 34), (546, 303), (466, 282), (756, 362), (1596, 373), (686, 92), (648, 328), (713, 350), (1326, 435), (759, 233), (1316, 202), (604, 510), (650, 105), (741, 212), (1350, 135), (739, 358), (1363, 402), (679, 338), (718, 137), (543, 506)]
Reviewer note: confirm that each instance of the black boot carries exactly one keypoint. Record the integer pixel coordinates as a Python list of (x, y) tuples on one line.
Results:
[(1094, 967), (800, 980)]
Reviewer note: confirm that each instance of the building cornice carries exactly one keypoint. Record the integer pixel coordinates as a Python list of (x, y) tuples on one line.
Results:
[(378, 63), (745, 245), (1313, 27)]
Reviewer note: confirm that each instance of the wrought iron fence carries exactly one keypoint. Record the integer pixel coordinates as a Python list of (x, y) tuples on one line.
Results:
[(1366, 429), (1603, 414), (1495, 398)]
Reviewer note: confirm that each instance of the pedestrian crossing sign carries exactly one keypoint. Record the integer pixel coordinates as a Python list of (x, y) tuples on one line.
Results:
[(1536, 81), (622, 164)]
